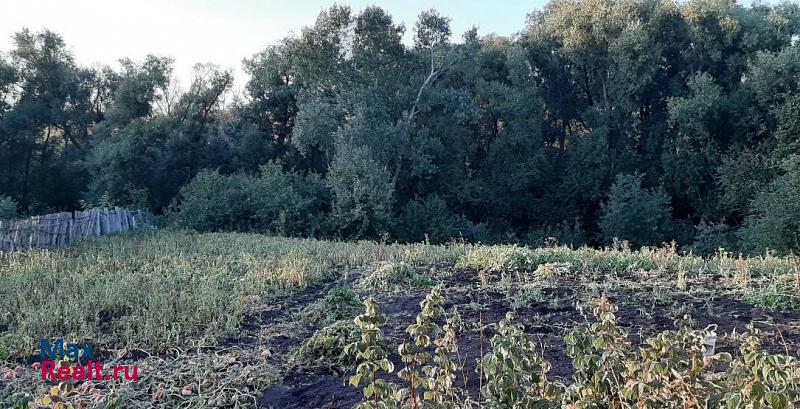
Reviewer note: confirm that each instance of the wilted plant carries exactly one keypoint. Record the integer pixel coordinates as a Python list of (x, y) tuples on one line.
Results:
[(325, 347), (663, 255), (442, 375), (681, 282), (743, 273), (526, 295), (759, 379), (389, 275), (672, 370), (340, 303), (549, 271), (777, 292), (414, 352), (57, 396)]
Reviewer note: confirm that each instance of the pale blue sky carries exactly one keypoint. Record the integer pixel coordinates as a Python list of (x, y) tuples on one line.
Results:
[(219, 31)]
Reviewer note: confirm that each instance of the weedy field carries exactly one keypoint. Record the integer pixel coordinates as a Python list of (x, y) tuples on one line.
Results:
[(240, 320)]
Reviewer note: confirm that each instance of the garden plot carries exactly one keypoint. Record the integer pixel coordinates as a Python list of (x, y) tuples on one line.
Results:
[(237, 320)]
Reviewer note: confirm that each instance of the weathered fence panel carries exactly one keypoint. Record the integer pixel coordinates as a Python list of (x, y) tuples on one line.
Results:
[(61, 229)]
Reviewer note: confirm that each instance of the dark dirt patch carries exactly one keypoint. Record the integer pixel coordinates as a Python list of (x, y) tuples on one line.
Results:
[(278, 309), (729, 316), (274, 312), (311, 390)]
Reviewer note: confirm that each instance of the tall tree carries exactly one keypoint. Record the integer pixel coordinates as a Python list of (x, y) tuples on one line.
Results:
[(47, 125)]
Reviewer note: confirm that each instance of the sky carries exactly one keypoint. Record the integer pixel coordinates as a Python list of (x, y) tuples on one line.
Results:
[(219, 31)]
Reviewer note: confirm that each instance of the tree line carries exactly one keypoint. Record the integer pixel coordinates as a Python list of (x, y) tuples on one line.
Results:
[(643, 120)]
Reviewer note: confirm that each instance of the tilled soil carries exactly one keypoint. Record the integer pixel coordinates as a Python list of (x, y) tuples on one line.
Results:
[(548, 320)]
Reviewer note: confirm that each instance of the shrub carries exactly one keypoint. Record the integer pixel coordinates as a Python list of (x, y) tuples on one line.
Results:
[(214, 202), (430, 220), (274, 201), (710, 237), (371, 356), (430, 358), (101, 200), (338, 304), (362, 192), (429, 355), (774, 219), (8, 208), (389, 275), (633, 213), (514, 371), (760, 379), (565, 233), (287, 202), (326, 347)]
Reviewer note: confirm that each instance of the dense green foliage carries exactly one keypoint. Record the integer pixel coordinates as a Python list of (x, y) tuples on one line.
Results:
[(490, 138), (8, 208), (776, 211), (273, 200), (640, 215)]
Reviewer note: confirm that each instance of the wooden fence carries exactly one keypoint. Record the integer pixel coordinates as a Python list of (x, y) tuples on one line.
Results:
[(60, 229)]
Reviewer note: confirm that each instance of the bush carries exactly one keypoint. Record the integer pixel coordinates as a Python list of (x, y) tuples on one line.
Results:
[(213, 202), (638, 215), (388, 276), (326, 347), (362, 192), (8, 208), (710, 237), (274, 201), (430, 220), (340, 303), (288, 202), (566, 233), (774, 219)]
